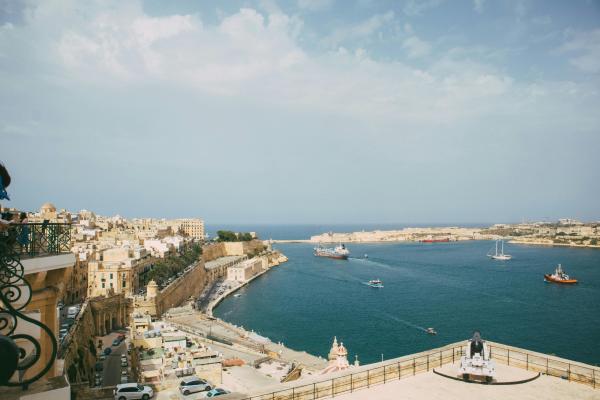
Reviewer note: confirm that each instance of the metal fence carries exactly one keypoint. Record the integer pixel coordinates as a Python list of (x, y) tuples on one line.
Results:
[(39, 239), (550, 366), (381, 374), (406, 367)]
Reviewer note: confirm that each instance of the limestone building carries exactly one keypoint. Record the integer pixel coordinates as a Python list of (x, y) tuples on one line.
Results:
[(116, 271), (192, 227)]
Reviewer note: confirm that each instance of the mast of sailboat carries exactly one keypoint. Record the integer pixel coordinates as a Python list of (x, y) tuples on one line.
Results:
[(496, 247), (502, 248)]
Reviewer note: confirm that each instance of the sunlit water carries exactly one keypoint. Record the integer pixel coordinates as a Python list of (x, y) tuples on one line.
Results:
[(452, 287)]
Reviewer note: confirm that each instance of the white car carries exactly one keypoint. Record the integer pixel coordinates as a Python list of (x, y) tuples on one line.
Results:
[(193, 384), (126, 391)]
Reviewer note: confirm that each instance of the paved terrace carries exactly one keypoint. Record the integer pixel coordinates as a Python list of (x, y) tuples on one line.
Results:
[(412, 377)]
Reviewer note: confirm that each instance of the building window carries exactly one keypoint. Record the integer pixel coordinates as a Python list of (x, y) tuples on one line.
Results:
[(111, 285), (124, 283), (111, 276), (103, 285)]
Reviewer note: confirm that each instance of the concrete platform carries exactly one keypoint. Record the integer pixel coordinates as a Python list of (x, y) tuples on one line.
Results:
[(431, 386), (504, 373)]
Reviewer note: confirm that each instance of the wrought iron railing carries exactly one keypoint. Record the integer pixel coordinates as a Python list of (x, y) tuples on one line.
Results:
[(39, 239), (21, 363)]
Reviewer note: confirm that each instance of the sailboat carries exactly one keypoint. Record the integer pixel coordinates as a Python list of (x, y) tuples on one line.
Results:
[(501, 255)]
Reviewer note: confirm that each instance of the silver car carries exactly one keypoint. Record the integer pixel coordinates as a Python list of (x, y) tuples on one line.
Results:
[(193, 384)]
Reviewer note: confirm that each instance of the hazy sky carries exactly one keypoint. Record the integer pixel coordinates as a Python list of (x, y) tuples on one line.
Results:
[(303, 111)]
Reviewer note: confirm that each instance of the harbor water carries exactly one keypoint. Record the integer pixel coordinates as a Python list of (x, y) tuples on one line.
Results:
[(452, 287)]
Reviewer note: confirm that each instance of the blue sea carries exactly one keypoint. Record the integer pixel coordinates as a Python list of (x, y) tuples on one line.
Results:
[(452, 287)]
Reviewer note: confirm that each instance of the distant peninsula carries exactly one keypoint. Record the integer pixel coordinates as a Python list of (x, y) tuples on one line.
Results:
[(564, 232)]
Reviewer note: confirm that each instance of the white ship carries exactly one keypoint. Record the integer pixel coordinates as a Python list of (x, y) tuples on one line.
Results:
[(501, 255)]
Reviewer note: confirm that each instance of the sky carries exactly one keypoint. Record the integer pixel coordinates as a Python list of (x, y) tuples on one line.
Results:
[(305, 111)]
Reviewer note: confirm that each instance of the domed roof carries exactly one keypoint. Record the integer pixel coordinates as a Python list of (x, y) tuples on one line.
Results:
[(47, 207)]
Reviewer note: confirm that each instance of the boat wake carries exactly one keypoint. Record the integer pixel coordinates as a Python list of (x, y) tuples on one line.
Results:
[(405, 322)]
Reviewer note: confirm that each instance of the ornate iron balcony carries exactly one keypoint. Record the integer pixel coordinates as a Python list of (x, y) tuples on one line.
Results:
[(39, 239)]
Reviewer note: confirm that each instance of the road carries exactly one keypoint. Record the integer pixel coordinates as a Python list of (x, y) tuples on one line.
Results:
[(112, 365)]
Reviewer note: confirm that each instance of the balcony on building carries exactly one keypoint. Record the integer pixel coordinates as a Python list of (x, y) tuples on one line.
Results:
[(44, 251)]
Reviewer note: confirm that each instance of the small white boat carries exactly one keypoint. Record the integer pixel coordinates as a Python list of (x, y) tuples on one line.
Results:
[(501, 255), (237, 295), (431, 331), (366, 255), (376, 283)]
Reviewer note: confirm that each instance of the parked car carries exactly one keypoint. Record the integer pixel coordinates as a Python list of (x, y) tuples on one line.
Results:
[(125, 391), (216, 392), (98, 381), (116, 342), (107, 351), (72, 311), (99, 366), (102, 357), (123, 357), (124, 379), (123, 363), (193, 384)]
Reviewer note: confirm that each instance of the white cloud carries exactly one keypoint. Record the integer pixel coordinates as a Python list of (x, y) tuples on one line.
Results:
[(361, 30), (586, 49), (416, 47), (250, 55)]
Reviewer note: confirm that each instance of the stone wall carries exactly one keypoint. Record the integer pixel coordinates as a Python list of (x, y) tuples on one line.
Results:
[(188, 285), (215, 250), (78, 350)]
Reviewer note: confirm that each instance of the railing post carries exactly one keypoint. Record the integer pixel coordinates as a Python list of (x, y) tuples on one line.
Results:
[(399, 370), (440, 359), (527, 362), (569, 372), (453, 355), (546, 365), (314, 391), (414, 367), (384, 374), (368, 378), (427, 362), (508, 357), (293, 394), (594, 378), (351, 385), (332, 388)]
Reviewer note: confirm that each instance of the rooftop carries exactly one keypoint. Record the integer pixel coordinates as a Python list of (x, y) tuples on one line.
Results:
[(221, 261), (431, 386)]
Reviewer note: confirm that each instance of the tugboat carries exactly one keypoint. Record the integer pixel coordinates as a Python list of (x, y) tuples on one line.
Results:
[(376, 283), (339, 252), (431, 331), (559, 276)]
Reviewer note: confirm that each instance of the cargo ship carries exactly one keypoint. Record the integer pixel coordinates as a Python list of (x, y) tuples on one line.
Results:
[(339, 252), (559, 276), (435, 240)]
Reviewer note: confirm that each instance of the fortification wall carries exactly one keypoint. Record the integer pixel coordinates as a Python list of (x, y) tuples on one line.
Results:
[(78, 349), (215, 250), (188, 285)]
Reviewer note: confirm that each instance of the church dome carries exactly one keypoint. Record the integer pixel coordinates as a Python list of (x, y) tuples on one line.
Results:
[(47, 207)]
